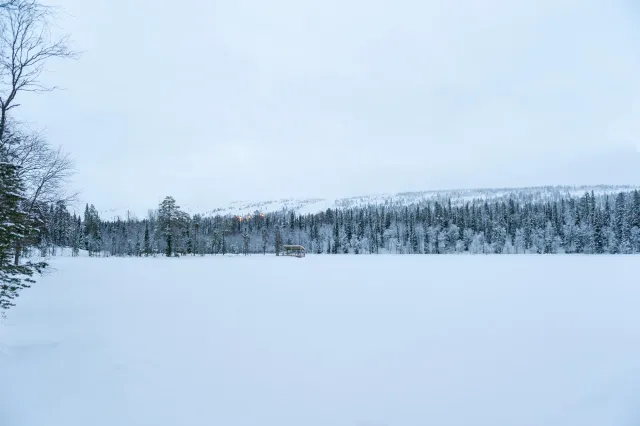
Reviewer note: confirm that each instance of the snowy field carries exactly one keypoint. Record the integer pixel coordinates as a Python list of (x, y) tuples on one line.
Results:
[(326, 341)]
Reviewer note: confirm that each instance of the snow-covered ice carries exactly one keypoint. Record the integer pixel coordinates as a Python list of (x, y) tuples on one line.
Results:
[(326, 341)]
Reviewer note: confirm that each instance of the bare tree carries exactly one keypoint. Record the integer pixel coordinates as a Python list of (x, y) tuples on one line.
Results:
[(45, 173), (26, 44), (45, 170)]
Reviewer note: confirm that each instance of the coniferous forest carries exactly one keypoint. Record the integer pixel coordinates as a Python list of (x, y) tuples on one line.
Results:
[(591, 224)]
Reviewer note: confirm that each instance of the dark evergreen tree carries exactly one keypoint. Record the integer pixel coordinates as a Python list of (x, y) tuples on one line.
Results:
[(169, 247), (278, 240), (265, 240), (15, 225), (147, 240), (171, 223), (245, 243), (336, 236)]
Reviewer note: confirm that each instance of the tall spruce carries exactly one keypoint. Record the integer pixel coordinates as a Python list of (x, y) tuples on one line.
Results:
[(15, 225), (278, 240), (171, 221), (147, 240)]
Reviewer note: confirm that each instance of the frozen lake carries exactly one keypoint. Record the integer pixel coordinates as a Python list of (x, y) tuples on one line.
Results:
[(326, 341)]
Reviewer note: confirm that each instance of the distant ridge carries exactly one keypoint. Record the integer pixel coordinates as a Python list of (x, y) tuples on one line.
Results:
[(457, 196), (314, 205)]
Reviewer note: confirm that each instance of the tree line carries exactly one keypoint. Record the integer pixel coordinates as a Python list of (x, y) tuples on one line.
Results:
[(590, 224)]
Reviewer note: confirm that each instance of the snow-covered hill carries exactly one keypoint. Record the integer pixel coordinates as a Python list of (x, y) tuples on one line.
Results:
[(315, 205)]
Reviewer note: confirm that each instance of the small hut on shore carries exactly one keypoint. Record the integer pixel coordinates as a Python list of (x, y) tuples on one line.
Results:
[(294, 250)]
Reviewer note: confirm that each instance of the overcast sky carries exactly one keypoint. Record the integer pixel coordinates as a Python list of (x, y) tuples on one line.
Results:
[(217, 101)]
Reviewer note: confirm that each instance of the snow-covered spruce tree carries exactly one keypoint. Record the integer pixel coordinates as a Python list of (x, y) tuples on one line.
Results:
[(336, 236), (246, 239), (15, 225), (75, 235), (92, 236), (171, 223), (265, 240), (197, 219), (147, 241), (278, 240)]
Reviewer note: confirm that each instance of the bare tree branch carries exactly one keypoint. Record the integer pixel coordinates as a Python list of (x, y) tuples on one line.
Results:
[(44, 170), (8, 4), (26, 44)]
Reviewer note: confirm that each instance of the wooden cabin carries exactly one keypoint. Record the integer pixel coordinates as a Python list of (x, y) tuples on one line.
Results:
[(294, 250)]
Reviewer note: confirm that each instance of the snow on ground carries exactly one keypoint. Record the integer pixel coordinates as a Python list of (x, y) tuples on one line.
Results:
[(326, 340)]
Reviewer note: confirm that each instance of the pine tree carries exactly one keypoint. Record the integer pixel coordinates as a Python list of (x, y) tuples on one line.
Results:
[(336, 236), (147, 241), (413, 236), (619, 215), (189, 249), (635, 210), (169, 248), (549, 238), (92, 237), (245, 242), (278, 241), (197, 219), (223, 242), (622, 225), (15, 225), (170, 222), (76, 235), (265, 240)]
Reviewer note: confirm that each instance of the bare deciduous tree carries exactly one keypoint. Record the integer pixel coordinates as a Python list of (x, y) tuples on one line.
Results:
[(26, 43), (45, 173), (45, 170)]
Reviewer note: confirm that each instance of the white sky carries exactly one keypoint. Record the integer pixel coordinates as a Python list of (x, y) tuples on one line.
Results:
[(217, 101)]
